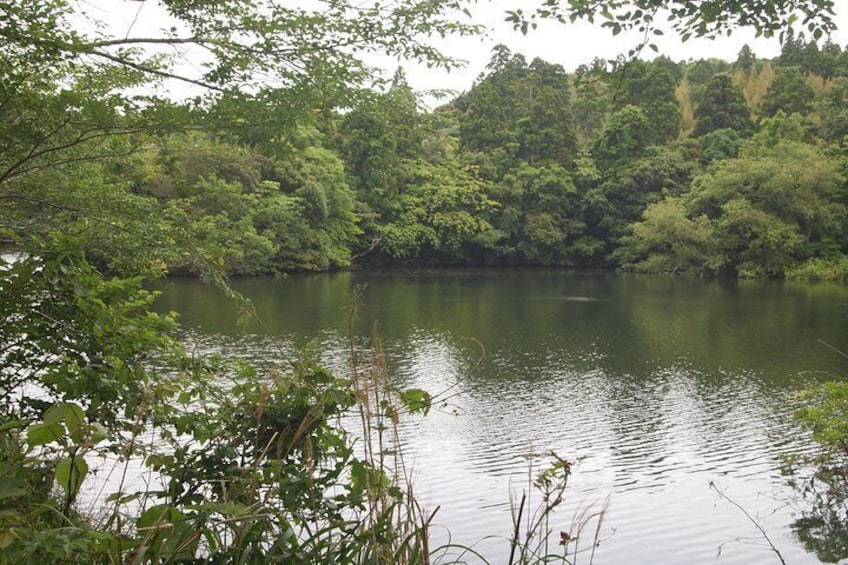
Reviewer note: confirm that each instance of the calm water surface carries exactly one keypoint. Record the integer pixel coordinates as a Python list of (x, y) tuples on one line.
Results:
[(662, 386)]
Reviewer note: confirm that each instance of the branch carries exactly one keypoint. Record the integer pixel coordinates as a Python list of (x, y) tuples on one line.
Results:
[(80, 159), (751, 519), (143, 41), (87, 213), (154, 71), (17, 169), (33, 152)]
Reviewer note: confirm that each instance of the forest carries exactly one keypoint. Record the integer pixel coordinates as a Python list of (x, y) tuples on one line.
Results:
[(295, 155), (686, 167)]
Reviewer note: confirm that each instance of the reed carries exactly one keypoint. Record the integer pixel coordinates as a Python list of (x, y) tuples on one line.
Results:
[(285, 464)]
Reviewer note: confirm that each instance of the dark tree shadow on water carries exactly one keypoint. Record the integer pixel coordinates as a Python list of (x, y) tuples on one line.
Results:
[(823, 525)]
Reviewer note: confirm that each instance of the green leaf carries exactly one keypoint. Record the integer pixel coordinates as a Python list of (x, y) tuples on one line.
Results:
[(71, 414), (122, 498), (42, 434), (70, 473), (416, 400), (158, 516), (13, 425), (8, 536), (11, 488)]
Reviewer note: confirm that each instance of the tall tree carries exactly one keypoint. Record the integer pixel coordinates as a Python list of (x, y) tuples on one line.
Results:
[(746, 58), (722, 106), (624, 137), (649, 86), (790, 93)]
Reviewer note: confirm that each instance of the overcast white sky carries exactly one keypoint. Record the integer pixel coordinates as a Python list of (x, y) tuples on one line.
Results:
[(572, 45), (569, 45)]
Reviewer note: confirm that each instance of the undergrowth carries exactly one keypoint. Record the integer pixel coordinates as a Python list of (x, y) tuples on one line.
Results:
[(118, 446)]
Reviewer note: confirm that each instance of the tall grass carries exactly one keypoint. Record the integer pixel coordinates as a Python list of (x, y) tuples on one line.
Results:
[(249, 468)]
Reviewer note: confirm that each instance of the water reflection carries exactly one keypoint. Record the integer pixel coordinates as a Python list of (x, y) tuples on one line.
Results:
[(662, 385)]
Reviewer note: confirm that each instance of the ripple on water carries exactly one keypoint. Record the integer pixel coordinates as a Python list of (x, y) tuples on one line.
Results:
[(653, 442)]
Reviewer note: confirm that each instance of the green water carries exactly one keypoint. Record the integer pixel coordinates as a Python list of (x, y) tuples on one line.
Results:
[(662, 385)]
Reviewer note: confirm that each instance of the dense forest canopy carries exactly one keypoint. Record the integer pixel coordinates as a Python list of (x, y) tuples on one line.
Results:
[(290, 159), (531, 166), (290, 153)]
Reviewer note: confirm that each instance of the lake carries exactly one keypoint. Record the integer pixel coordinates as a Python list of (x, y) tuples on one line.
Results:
[(661, 387)]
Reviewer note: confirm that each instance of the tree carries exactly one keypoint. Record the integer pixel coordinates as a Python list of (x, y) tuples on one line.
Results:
[(700, 72), (688, 18), (591, 103), (667, 241), (488, 113), (67, 93), (651, 88), (767, 212), (376, 137), (789, 93), (833, 107), (630, 186), (722, 106), (720, 144), (441, 216), (625, 136), (539, 215), (546, 127), (85, 364), (746, 58)]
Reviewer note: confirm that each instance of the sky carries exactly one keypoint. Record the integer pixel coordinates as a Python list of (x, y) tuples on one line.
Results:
[(572, 45), (569, 45)]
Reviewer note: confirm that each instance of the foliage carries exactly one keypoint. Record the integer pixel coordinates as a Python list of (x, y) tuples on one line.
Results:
[(78, 367), (624, 137), (249, 467), (540, 215), (666, 241), (689, 18), (444, 213), (76, 127), (651, 87), (533, 545), (722, 107), (247, 42), (96, 179), (69, 334), (789, 93), (768, 214), (819, 268), (520, 111), (720, 144), (631, 186), (591, 103), (746, 58), (832, 105), (287, 152), (822, 525)]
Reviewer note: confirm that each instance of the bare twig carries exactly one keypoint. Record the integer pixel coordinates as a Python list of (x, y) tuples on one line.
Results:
[(751, 519)]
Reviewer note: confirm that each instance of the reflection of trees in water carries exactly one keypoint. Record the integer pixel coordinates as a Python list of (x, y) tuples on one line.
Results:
[(823, 529), (823, 525)]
